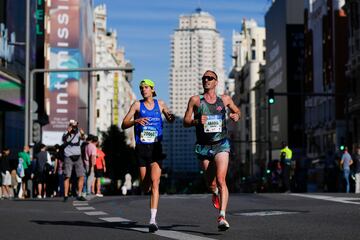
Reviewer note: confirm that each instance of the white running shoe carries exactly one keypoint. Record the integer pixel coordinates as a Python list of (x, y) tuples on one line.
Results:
[(99, 195), (223, 225)]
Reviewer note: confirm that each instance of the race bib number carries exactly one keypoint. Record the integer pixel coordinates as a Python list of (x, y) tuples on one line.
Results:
[(213, 124), (148, 135)]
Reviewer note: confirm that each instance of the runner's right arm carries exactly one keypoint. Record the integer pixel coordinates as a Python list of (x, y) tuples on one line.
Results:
[(128, 119), (188, 119)]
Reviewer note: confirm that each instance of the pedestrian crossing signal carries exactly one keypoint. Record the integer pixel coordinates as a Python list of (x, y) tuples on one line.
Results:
[(342, 147)]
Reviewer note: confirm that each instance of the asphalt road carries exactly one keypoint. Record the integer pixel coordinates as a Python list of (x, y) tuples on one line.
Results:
[(251, 216)]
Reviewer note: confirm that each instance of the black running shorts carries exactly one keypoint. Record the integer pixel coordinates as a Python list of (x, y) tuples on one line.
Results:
[(149, 153)]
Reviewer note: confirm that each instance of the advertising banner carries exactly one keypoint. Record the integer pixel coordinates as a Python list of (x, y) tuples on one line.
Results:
[(62, 89)]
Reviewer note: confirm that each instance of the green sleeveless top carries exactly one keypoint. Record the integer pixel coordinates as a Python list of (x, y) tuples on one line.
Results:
[(214, 129)]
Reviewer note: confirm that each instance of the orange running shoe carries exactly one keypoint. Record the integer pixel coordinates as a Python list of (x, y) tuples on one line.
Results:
[(216, 200)]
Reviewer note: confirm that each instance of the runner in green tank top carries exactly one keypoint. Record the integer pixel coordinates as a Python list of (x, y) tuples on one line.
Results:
[(212, 146)]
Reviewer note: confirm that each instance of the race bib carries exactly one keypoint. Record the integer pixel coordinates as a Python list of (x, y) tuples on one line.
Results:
[(148, 135), (213, 124)]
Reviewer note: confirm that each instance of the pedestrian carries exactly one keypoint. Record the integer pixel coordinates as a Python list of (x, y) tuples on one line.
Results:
[(41, 161), (5, 172), (286, 157), (72, 139), (15, 180), (356, 159), (346, 162), (100, 169), (24, 157), (145, 116), (212, 145), (89, 162)]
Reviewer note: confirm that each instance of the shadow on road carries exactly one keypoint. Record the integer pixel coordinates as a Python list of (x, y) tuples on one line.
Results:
[(128, 226)]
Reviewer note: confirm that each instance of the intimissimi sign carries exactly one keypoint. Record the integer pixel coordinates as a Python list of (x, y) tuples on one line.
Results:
[(63, 52)]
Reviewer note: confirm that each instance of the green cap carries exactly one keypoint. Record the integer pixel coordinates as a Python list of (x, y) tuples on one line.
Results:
[(148, 82)]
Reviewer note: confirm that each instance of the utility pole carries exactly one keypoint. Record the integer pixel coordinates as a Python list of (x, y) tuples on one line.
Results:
[(28, 83), (269, 133)]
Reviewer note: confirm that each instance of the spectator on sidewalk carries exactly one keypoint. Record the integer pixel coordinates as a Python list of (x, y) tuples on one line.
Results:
[(89, 163), (100, 169), (72, 139), (26, 162), (346, 162), (5, 172), (42, 160), (356, 159)]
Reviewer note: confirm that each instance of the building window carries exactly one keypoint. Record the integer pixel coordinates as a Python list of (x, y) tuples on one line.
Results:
[(253, 54), (253, 42), (97, 113)]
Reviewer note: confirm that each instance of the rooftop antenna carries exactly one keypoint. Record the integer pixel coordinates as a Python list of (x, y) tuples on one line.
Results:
[(198, 9)]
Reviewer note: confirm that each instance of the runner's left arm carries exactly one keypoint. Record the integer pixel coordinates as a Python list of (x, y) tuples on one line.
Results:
[(165, 110), (235, 114)]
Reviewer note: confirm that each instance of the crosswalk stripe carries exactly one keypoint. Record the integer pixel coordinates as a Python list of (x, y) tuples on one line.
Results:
[(85, 208), (115, 219), (95, 213), (173, 234), (81, 204)]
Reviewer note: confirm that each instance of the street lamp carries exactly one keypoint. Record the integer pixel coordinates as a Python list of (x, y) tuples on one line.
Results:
[(28, 119)]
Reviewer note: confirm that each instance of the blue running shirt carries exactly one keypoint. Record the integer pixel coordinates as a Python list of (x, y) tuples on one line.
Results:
[(152, 132)]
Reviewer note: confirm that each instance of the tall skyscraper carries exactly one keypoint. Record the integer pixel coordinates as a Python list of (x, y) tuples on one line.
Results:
[(196, 46)]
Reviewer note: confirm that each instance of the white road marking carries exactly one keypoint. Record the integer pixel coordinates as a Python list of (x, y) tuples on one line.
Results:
[(192, 196), (95, 213), (85, 208), (80, 204), (163, 233), (115, 219), (173, 234), (179, 235), (329, 198), (264, 213)]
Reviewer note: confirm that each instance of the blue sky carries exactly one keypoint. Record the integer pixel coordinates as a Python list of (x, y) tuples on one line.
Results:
[(144, 28)]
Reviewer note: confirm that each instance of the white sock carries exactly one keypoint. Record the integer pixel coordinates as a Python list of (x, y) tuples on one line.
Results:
[(222, 213), (153, 215), (216, 192)]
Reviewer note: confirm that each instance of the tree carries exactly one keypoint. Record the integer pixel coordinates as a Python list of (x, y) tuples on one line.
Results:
[(120, 158)]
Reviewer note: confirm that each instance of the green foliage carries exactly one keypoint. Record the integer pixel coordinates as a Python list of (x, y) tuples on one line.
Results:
[(120, 158)]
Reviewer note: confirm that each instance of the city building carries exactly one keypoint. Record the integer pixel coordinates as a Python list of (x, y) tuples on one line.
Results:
[(196, 46), (284, 73), (114, 93), (326, 50), (352, 8), (248, 57), (13, 67)]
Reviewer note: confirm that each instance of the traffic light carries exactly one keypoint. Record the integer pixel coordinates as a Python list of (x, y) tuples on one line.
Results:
[(342, 144), (36, 136), (271, 97)]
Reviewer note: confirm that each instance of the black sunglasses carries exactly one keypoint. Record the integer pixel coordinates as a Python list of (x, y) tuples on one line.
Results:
[(208, 78)]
